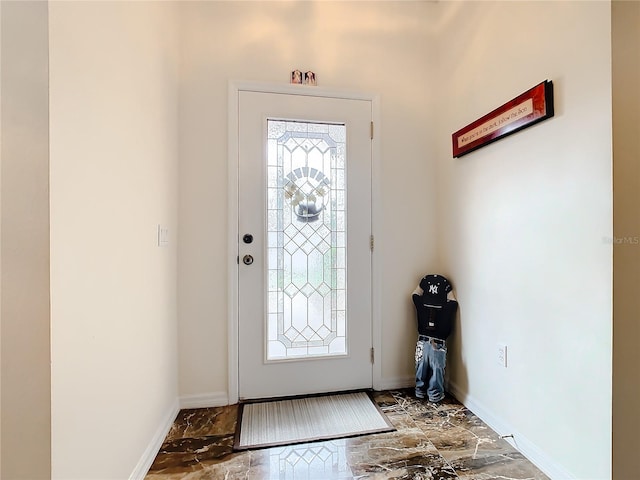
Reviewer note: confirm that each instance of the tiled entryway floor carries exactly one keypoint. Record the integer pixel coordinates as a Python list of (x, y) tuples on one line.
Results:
[(443, 441)]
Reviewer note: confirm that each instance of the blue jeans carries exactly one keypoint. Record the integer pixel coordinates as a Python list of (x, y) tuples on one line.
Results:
[(431, 360)]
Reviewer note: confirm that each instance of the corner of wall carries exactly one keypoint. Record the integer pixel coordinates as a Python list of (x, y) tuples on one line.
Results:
[(529, 449), (625, 19), (204, 400), (25, 414), (151, 451)]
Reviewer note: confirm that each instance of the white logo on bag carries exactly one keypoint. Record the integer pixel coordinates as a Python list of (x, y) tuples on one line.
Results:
[(433, 289)]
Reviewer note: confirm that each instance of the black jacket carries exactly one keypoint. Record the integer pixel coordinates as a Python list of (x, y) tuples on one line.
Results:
[(435, 321), (435, 305)]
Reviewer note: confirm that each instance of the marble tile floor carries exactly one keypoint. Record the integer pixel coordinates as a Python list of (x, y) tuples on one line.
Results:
[(440, 442)]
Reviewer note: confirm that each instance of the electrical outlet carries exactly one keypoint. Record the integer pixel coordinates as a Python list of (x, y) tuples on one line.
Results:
[(502, 354)]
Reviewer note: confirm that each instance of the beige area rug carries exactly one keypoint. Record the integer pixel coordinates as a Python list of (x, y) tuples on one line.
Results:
[(308, 419)]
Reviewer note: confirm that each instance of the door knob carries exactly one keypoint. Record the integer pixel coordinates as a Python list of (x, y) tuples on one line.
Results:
[(247, 259), (248, 238)]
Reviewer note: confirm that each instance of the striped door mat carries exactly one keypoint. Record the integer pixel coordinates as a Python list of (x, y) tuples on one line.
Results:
[(308, 419)]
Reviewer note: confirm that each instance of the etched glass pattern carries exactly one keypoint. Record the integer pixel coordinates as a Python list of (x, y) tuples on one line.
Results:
[(306, 240)]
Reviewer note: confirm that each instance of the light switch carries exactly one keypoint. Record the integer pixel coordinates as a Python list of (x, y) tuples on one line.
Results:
[(163, 236)]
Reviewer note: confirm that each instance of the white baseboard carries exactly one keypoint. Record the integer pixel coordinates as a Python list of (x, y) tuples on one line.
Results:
[(149, 455), (529, 449), (395, 383), (204, 400)]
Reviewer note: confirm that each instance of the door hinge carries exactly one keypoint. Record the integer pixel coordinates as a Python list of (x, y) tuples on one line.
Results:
[(371, 130), (371, 242), (373, 355)]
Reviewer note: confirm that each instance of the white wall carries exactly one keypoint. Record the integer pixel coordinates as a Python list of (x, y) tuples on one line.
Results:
[(25, 376), (113, 146), (376, 47), (522, 236), (625, 23)]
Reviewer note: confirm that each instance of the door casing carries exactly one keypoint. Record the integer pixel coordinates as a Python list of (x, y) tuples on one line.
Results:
[(232, 239)]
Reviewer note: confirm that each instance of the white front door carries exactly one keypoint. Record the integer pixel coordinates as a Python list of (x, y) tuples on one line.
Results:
[(304, 257)]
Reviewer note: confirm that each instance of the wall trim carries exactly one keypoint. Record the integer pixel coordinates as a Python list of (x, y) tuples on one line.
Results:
[(232, 242), (198, 400), (150, 453), (204, 400), (395, 383), (520, 442), (377, 232)]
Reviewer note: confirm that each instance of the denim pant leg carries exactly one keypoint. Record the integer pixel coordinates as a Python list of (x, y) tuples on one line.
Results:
[(422, 368), (437, 355)]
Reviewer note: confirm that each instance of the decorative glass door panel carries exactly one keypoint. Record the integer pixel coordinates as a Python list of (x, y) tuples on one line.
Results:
[(304, 223), (306, 239)]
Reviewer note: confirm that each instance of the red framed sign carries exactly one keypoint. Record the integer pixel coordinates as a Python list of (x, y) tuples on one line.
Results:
[(533, 106)]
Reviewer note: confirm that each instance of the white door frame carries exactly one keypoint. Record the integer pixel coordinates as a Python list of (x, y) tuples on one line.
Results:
[(233, 234)]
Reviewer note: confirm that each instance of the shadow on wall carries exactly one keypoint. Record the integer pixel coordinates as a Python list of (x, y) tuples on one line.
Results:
[(455, 360)]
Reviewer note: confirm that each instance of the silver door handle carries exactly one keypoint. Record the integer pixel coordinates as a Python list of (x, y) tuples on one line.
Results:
[(247, 259)]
